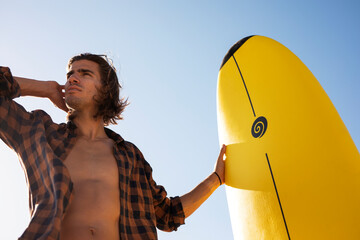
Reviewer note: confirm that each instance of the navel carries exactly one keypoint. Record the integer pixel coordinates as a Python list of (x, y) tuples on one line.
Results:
[(92, 230)]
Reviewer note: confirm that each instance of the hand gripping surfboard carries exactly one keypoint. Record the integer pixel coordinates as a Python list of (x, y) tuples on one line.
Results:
[(292, 169)]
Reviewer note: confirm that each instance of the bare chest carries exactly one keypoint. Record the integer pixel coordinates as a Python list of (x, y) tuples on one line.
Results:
[(92, 160), (95, 206)]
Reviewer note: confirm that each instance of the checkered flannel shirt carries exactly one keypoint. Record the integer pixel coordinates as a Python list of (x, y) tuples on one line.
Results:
[(43, 145)]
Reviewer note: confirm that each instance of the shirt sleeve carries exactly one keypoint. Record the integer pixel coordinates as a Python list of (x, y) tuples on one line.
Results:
[(8, 86), (12, 115), (169, 211)]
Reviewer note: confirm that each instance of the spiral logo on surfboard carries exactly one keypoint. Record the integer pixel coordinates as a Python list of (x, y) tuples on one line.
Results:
[(259, 127)]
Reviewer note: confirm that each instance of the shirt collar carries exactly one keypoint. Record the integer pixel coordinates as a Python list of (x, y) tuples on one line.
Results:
[(113, 135)]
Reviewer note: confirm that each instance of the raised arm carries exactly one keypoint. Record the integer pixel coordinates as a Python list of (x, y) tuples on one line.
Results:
[(45, 89), (192, 200)]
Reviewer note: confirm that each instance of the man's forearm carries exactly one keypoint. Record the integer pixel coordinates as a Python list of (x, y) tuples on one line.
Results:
[(31, 87), (192, 200), (45, 89)]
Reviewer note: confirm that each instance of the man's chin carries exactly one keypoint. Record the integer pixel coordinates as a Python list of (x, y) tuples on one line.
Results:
[(72, 103)]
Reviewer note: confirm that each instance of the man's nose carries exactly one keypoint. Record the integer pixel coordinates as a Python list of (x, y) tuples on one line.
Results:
[(73, 79)]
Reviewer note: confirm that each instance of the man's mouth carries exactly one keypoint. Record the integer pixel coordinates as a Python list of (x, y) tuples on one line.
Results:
[(73, 89)]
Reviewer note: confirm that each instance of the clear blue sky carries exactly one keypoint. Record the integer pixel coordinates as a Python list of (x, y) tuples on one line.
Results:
[(168, 55)]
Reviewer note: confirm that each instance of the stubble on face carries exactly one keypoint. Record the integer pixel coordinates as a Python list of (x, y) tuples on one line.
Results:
[(78, 104), (73, 102), (86, 83)]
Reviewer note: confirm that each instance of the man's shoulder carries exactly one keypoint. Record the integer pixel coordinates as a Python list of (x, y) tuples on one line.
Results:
[(131, 149), (40, 114), (43, 120), (131, 145)]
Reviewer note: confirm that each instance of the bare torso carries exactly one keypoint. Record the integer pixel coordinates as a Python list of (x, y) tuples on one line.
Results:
[(94, 211)]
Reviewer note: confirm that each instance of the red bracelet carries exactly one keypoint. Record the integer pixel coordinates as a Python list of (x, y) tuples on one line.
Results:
[(219, 178)]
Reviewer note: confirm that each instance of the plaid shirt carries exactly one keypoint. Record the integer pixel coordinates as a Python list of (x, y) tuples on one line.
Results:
[(43, 145)]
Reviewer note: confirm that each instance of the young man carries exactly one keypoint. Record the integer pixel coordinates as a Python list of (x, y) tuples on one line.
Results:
[(85, 181)]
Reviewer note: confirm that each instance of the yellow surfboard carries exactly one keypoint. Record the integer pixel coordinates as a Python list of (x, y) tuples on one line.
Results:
[(292, 169)]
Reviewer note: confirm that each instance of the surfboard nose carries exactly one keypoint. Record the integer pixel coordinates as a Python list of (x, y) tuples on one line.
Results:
[(233, 49)]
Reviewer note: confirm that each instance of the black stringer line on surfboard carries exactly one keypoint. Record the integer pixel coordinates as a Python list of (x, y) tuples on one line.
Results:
[(277, 194), (252, 107)]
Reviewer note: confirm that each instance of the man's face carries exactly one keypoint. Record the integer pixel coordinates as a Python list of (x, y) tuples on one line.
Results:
[(83, 79)]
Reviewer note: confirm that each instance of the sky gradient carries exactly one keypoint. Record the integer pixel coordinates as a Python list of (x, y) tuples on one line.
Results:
[(168, 55)]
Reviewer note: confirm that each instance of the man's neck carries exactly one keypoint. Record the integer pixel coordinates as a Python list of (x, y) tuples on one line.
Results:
[(90, 127)]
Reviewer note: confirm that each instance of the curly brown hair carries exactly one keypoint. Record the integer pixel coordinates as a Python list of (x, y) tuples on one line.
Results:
[(110, 105)]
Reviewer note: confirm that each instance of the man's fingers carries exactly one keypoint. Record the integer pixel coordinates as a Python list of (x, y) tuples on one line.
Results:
[(60, 103), (63, 105), (62, 90), (222, 152), (64, 108), (223, 149)]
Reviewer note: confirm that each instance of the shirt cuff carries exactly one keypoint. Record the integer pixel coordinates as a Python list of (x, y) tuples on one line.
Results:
[(177, 213)]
